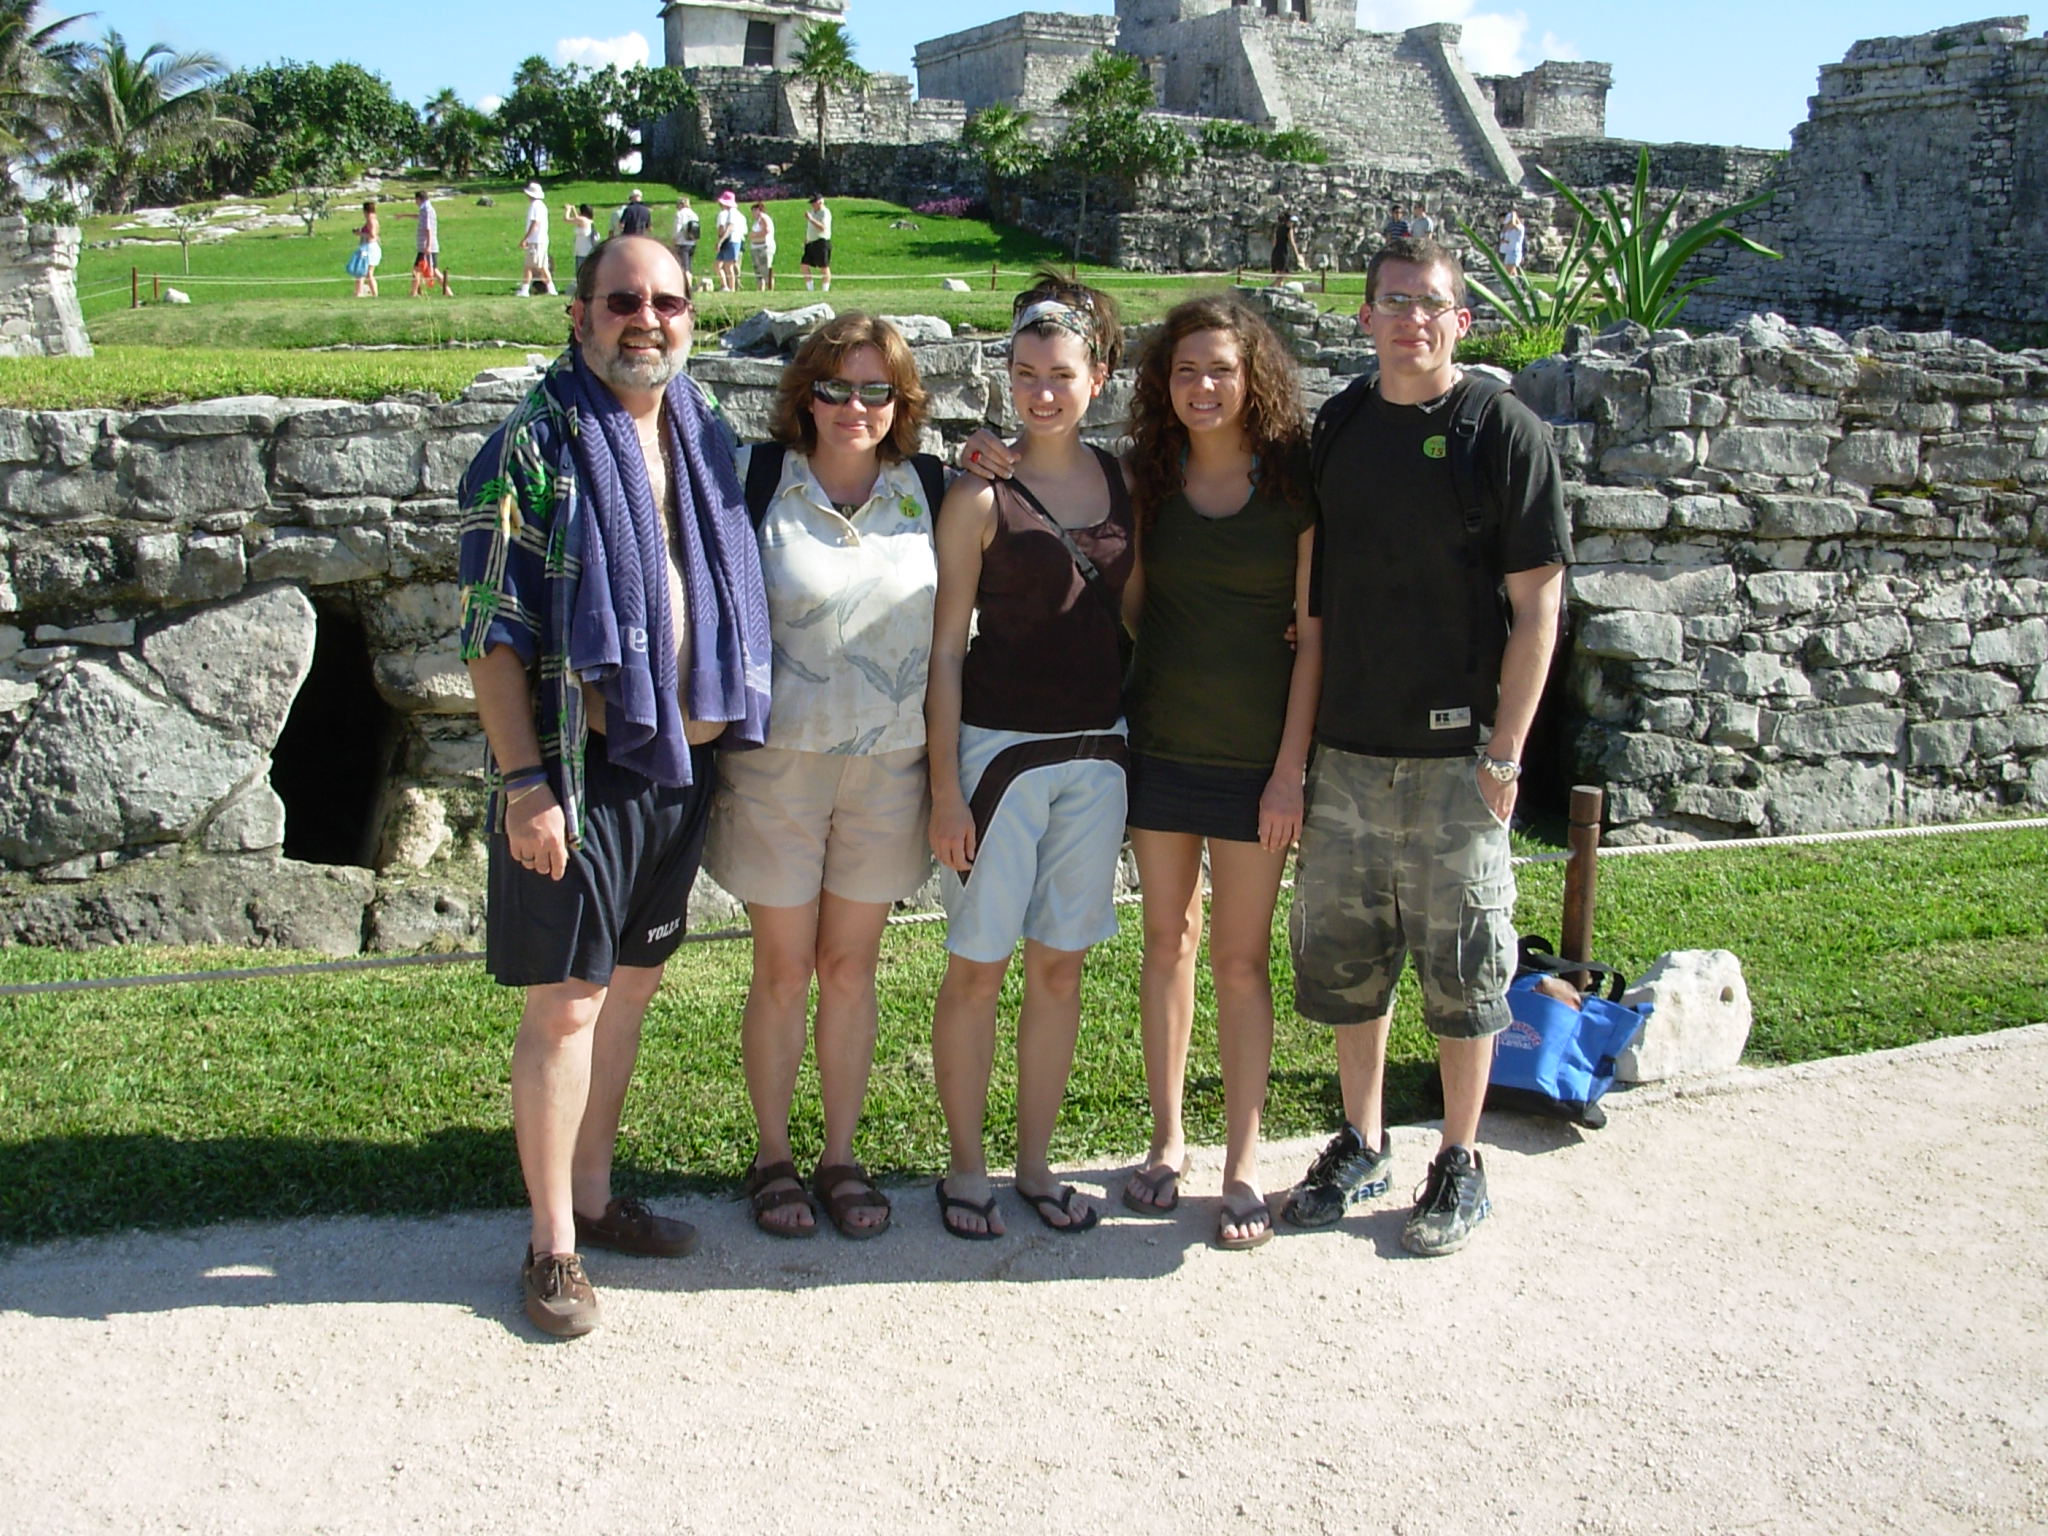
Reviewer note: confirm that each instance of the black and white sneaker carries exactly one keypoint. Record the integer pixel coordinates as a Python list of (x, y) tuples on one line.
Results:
[(1451, 1203), (1344, 1173)]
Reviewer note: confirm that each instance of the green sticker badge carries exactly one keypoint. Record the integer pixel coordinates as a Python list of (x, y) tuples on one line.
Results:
[(909, 507), (1435, 447)]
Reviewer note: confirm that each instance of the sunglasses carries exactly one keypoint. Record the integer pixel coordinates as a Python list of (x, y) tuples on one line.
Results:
[(839, 391), (665, 305), (1072, 298)]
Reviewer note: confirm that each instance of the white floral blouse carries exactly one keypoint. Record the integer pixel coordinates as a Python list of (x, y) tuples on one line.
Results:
[(849, 610)]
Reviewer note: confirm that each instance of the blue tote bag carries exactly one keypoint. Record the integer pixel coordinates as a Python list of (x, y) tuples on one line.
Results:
[(1554, 1059)]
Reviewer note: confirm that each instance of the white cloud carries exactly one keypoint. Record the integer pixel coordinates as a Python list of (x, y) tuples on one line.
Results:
[(596, 52), (489, 104), (1493, 42)]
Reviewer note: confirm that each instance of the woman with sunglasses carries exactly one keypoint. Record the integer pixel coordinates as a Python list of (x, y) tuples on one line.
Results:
[(1222, 710), (1026, 733), (822, 830)]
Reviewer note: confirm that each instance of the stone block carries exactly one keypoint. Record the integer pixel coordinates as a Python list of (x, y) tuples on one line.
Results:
[(1833, 372), (65, 495), (1959, 695), (319, 559), (1639, 756), (415, 916), (239, 664), (415, 829), (1713, 628), (1610, 394), (1876, 458), (1852, 730), (1777, 451), (1732, 723), (769, 331), (1974, 463), (251, 822), (1773, 405), (922, 330), (1709, 357), (1856, 685), (275, 903), (444, 459), (84, 569), (112, 632), (1803, 517), (428, 553), (1699, 1017), (1753, 675), (1938, 743), (1830, 797), (204, 474), (1711, 514), (1989, 737), (1653, 589), (385, 463), (2016, 645), (1600, 506), (1631, 636), (1777, 594), (1674, 406), (234, 416), (429, 682), (1652, 458), (1871, 639)]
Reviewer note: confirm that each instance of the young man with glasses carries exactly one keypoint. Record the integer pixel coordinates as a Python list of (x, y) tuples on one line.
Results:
[(615, 627), (1429, 687)]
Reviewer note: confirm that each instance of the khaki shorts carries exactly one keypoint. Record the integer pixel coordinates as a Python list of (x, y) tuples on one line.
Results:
[(1401, 854), (788, 824)]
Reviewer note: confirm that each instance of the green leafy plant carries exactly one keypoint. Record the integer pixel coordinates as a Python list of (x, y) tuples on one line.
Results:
[(1227, 136), (1534, 309), (1000, 137), (1638, 254), (1110, 135), (824, 61)]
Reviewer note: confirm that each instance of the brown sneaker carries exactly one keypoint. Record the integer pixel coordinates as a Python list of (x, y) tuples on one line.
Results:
[(558, 1294), (628, 1226)]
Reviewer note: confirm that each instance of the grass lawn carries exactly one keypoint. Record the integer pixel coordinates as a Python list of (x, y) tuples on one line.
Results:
[(385, 1090)]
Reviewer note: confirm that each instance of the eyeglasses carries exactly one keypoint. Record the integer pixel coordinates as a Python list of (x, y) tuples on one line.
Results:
[(666, 305), (1400, 305), (838, 391)]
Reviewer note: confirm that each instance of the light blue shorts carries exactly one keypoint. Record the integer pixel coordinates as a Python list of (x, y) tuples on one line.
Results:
[(1045, 869)]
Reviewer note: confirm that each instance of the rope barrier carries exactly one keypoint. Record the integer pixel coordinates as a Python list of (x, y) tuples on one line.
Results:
[(916, 919)]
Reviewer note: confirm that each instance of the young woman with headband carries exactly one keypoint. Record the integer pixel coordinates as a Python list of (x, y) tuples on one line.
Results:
[(1026, 733)]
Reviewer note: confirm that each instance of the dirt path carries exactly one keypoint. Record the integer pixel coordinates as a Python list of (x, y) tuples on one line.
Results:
[(1810, 1300)]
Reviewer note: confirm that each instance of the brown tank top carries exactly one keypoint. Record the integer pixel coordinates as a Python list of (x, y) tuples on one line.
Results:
[(1044, 656)]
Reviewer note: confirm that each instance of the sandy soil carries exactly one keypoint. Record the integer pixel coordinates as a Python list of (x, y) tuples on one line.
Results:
[(1809, 1300)]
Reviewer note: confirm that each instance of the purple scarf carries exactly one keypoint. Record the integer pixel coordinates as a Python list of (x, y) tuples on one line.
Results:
[(622, 635)]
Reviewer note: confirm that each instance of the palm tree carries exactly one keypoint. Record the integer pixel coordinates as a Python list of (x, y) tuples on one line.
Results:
[(824, 61), (1000, 137), (33, 60), (126, 113)]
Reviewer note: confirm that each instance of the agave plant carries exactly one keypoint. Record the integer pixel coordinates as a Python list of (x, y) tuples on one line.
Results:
[(1530, 309), (1638, 255)]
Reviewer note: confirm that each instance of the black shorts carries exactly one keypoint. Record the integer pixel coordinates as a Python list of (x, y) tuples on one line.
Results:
[(817, 253), (1201, 798), (623, 900)]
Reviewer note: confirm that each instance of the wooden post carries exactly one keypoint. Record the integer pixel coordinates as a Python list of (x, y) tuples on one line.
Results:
[(156, 286), (135, 287), (992, 267), (1581, 877)]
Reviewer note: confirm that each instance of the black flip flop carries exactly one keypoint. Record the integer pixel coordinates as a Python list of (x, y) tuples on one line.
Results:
[(1157, 1180), (1063, 1202), (985, 1209)]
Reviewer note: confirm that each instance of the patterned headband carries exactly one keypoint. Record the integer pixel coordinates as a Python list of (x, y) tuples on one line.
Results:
[(1053, 312)]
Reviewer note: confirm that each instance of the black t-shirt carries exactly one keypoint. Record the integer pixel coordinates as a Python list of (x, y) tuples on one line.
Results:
[(1411, 659), (635, 219)]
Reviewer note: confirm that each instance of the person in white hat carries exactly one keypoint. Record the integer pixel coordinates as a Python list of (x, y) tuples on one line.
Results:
[(731, 229), (533, 245)]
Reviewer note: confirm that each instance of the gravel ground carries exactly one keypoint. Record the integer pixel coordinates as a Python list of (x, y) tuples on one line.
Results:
[(1805, 1300)]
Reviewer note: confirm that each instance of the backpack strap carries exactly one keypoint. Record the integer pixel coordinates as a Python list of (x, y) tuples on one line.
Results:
[(764, 473), (1336, 411), (1475, 501), (931, 474)]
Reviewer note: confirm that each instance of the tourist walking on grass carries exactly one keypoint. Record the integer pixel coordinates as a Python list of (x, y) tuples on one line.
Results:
[(533, 244), (369, 252), (687, 230), (1428, 692), (426, 266), (1026, 737), (761, 246), (581, 218), (614, 626), (1221, 712), (818, 242), (823, 830), (635, 218), (730, 231)]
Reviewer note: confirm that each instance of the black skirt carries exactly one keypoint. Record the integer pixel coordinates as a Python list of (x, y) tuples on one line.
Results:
[(1199, 798)]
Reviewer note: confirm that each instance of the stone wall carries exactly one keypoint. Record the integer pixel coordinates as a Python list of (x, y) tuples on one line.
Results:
[(1914, 195), (1024, 60), (39, 291), (1813, 591)]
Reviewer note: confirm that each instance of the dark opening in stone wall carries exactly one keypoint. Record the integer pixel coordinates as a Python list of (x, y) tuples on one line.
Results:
[(331, 762)]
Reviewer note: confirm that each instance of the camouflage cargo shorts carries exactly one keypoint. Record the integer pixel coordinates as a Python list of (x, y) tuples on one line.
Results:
[(1402, 854)]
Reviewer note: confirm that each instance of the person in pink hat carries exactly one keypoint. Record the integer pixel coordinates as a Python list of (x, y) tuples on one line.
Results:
[(731, 232)]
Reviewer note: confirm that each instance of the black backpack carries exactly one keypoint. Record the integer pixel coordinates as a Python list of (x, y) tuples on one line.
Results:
[(764, 473), (1479, 504)]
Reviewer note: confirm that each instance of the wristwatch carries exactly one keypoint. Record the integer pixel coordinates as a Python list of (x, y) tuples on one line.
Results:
[(1503, 770)]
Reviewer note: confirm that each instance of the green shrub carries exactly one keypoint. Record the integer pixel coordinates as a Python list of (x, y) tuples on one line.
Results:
[(1513, 349)]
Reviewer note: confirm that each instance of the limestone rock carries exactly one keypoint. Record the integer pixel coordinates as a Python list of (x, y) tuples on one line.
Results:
[(426, 682), (104, 765), (252, 822), (408, 918), (274, 903), (415, 830), (920, 329), (772, 330), (239, 665), (1699, 1021)]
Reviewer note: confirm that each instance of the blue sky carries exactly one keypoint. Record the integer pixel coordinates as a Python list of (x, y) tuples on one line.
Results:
[(1734, 73)]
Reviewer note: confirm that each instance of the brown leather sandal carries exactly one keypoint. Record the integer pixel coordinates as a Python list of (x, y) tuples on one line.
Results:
[(839, 1206), (762, 1199)]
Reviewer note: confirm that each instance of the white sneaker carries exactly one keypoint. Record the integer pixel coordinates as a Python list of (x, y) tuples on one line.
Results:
[(807, 285)]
